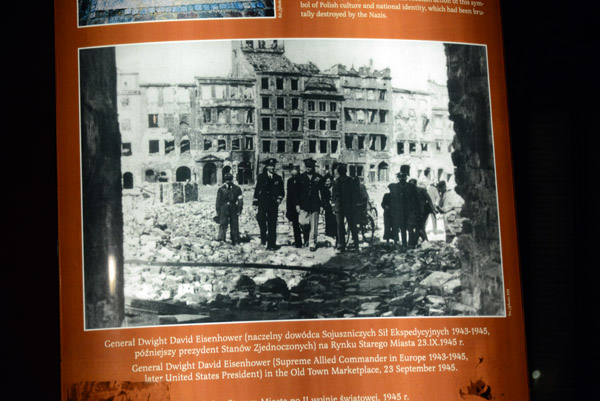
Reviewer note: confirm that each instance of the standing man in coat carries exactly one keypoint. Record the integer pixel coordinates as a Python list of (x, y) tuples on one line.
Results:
[(293, 190), (268, 195), (344, 197), (425, 209), (404, 209), (230, 203), (310, 202)]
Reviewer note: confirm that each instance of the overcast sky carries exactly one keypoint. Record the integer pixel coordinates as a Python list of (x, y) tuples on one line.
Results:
[(412, 63)]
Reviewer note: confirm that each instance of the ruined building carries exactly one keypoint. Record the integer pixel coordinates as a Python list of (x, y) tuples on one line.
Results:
[(272, 107), (367, 126), (423, 133)]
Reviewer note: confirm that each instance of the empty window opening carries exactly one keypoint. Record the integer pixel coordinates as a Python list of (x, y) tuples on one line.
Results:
[(349, 141), (281, 124), (281, 146), (126, 149), (183, 174), (361, 142), (296, 146), (312, 146), (266, 103), (169, 147), (153, 146), (334, 146), (207, 144), (150, 175), (400, 148), (152, 120), (266, 123), (322, 146), (266, 146), (295, 124), (127, 180), (280, 102), (207, 115)]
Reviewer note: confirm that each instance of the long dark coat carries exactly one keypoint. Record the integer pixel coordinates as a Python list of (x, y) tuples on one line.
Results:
[(345, 194), (330, 223), (268, 191), (310, 195), (293, 197), (404, 203)]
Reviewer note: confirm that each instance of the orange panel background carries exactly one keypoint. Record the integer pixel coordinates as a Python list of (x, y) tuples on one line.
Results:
[(84, 356)]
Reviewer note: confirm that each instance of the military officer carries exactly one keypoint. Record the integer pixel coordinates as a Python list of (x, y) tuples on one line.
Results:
[(293, 190), (230, 203), (310, 201), (268, 195), (344, 197)]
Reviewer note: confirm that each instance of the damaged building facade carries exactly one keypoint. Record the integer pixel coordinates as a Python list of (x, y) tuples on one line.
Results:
[(367, 126), (423, 134), (186, 132), (271, 107)]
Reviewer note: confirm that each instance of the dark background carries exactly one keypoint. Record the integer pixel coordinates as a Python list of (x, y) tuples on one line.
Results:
[(550, 71)]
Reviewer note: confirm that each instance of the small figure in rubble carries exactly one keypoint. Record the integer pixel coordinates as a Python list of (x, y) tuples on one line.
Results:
[(450, 205), (230, 203), (330, 224), (425, 209), (388, 231)]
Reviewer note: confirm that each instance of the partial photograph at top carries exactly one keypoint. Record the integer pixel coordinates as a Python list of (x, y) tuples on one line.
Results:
[(102, 12)]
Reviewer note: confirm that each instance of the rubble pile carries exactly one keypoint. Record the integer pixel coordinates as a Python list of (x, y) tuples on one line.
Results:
[(380, 280)]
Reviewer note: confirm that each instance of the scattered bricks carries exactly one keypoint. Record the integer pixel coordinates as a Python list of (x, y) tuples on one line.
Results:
[(436, 279), (435, 300), (452, 287)]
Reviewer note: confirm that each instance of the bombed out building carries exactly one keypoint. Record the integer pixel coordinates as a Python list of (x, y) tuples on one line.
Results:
[(271, 107), (423, 133), (366, 125)]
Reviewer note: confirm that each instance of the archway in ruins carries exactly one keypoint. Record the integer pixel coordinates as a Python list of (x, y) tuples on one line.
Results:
[(383, 172), (209, 174), (183, 174), (127, 180)]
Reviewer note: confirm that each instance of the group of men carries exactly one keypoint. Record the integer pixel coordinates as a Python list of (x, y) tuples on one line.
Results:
[(342, 200), (408, 206), (308, 194)]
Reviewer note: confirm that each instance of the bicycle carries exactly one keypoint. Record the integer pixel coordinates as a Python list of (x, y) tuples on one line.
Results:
[(366, 224)]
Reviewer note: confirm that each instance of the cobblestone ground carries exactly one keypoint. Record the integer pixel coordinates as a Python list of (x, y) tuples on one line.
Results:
[(379, 280), (98, 12)]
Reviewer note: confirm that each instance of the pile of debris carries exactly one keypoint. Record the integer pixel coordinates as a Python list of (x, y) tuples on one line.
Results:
[(172, 257)]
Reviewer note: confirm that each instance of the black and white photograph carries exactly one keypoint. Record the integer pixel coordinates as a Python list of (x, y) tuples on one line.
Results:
[(102, 12), (287, 179)]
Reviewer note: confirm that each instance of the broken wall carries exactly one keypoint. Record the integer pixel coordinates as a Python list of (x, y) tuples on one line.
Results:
[(101, 189), (473, 157)]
